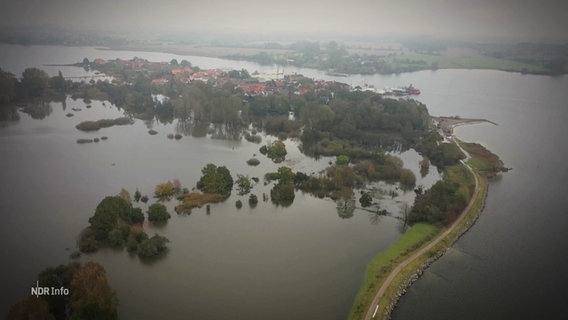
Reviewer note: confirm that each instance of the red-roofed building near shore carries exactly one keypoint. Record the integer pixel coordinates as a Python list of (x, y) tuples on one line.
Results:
[(160, 81), (99, 61), (253, 88), (182, 74)]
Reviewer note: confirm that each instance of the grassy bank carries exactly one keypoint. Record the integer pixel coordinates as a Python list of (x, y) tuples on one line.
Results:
[(381, 266), (412, 241), (482, 160), (413, 270)]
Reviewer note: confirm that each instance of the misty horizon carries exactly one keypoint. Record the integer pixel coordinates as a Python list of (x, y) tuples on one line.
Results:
[(542, 21)]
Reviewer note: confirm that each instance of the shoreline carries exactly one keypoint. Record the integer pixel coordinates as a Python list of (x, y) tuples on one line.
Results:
[(446, 125), (226, 52), (409, 278), (195, 50), (408, 271)]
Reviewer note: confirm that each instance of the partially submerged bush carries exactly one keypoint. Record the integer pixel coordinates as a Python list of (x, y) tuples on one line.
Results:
[(103, 123), (275, 151), (152, 247), (158, 212), (87, 241), (196, 199), (165, 191), (253, 200), (253, 162), (253, 138)]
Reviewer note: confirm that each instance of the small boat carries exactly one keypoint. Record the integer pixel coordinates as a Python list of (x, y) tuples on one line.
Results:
[(411, 90), (400, 91)]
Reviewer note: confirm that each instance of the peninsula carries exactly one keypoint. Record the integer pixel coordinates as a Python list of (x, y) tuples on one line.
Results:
[(395, 269)]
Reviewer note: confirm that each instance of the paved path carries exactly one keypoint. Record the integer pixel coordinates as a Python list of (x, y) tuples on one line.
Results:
[(420, 252)]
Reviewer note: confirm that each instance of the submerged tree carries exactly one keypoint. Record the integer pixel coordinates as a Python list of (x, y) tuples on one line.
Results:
[(165, 191), (275, 151), (215, 180), (91, 295), (243, 184), (152, 247), (158, 212), (34, 82), (108, 214)]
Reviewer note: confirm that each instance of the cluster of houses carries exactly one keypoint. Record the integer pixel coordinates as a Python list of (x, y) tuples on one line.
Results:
[(165, 73)]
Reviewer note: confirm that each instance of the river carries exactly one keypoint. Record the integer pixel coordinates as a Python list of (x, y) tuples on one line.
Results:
[(301, 262)]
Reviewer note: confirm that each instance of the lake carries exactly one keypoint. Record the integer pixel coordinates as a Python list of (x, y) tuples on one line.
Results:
[(303, 261), (300, 262)]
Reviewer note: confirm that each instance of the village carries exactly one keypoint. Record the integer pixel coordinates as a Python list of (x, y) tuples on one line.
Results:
[(167, 74)]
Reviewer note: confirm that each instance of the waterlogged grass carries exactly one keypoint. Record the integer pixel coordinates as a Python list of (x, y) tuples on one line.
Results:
[(196, 199), (381, 266), (482, 160)]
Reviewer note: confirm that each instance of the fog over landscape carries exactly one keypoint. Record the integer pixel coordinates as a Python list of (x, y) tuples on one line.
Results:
[(296, 159), (485, 19)]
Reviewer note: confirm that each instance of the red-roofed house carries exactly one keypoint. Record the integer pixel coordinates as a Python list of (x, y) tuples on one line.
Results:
[(160, 81)]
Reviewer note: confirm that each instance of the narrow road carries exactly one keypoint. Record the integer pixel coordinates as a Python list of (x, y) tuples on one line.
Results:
[(420, 252)]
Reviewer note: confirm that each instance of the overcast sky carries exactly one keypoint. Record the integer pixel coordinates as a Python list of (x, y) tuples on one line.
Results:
[(528, 19)]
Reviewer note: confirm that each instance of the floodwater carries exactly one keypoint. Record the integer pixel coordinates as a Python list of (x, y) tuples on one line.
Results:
[(301, 262), (511, 264), (304, 261)]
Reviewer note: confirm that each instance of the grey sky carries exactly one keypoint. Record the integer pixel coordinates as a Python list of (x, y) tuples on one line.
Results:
[(529, 19)]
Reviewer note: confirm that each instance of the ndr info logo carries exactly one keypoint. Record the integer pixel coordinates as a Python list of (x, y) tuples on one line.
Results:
[(49, 291)]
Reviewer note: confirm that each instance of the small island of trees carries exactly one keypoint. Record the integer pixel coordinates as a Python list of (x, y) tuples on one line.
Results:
[(90, 295), (216, 184), (116, 223)]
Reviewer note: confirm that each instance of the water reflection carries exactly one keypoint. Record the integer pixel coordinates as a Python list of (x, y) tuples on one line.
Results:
[(345, 203), (9, 113), (38, 109), (221, 256)]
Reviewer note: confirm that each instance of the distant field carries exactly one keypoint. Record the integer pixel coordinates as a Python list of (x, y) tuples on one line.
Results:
[(472, 62), (410, 61)]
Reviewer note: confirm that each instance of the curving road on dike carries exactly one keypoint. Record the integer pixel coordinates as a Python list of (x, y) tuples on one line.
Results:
[(398, 269)]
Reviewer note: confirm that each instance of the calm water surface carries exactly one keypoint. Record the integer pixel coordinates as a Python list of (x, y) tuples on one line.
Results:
[(301, 262), (511, 264)]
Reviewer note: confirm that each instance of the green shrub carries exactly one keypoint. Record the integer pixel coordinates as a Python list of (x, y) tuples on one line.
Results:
[(342, 160), (253, 162), (87, 241), (165, 191), (136, 216), (407, 179), (158, 212), (253, 200), (243, 184), (152, 247), (366, 199), (215, 180)]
